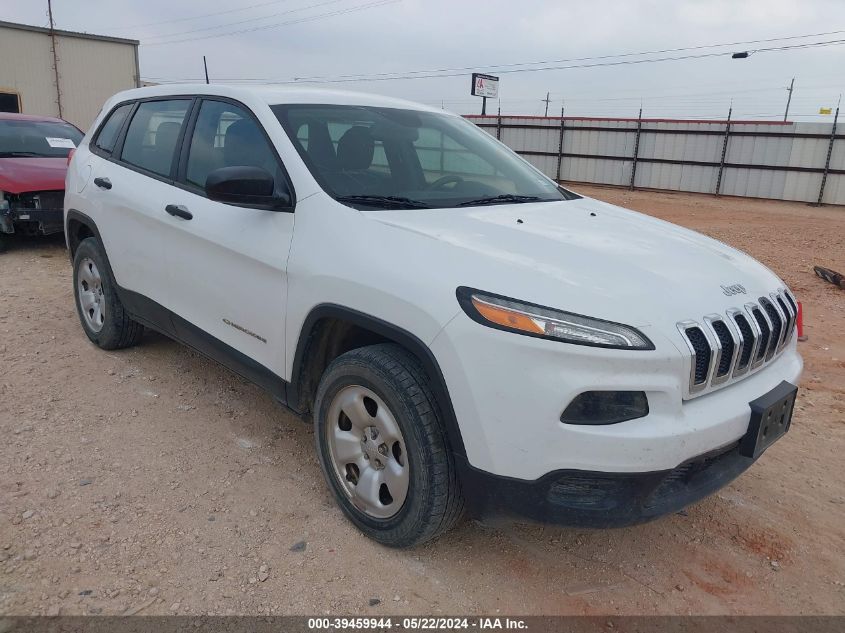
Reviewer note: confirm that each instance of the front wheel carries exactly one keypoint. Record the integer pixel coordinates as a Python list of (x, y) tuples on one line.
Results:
[(383, 448)]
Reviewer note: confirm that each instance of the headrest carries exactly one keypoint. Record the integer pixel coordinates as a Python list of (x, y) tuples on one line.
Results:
[(166, 135), (355, 149), (243, 144)]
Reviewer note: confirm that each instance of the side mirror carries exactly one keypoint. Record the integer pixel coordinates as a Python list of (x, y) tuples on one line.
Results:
[(243, 185)]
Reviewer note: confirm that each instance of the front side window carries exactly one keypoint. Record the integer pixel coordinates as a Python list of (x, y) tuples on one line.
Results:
[(107, 137), (153, 133), (20, 138), (225, 135), (389, 158)]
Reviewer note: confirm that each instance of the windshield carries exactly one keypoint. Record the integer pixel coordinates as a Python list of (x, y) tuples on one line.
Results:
[(20, 138), (391, 158)]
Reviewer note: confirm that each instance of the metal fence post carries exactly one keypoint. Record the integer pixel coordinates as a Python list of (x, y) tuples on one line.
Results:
[(560, 147), (827, 161), (499, 125), (724, 152), (636, 148)]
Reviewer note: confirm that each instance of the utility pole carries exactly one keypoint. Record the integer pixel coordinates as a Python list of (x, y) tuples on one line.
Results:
[(205, 65), (546, 100), (55, 57), (789, 99)]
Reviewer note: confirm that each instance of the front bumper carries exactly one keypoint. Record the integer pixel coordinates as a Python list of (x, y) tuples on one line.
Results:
[(31, 221), (508, 392), (600, 499)]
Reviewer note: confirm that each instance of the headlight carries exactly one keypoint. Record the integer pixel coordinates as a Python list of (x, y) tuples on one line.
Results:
[(532, 320)]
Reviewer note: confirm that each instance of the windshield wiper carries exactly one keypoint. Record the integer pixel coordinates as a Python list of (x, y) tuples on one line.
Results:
[(19, 154), (384, 201), (504, 198)]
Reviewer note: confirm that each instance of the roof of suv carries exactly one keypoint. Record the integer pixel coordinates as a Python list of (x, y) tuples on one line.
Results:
[(275, 95)]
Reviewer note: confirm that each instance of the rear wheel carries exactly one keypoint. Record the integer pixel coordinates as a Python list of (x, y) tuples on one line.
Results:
[(383, 448), (100, 311)]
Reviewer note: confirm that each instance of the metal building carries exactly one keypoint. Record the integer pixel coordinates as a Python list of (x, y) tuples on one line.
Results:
[(63, 73)]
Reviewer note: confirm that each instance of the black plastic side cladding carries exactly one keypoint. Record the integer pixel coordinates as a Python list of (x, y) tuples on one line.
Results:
[(390, 332)]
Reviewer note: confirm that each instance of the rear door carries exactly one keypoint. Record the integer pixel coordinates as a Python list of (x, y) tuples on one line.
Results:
[(132, 180), (227, 264)]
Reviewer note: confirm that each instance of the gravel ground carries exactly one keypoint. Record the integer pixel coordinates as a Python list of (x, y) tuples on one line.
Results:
[(154, 481)]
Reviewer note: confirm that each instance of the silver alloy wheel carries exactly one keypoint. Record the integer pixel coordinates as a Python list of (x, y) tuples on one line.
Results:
[(367, 451), (89, 288)]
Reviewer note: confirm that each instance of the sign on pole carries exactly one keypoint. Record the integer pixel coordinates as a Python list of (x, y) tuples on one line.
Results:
[(485, 86)]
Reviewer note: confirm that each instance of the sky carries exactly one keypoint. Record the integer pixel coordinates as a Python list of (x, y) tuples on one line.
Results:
[(333, 43)]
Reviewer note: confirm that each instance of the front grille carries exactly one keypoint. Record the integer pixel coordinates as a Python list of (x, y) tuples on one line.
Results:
[(726, 347)]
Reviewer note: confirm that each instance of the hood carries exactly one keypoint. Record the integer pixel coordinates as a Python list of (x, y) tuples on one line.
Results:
[(19, 175), (589, 257)]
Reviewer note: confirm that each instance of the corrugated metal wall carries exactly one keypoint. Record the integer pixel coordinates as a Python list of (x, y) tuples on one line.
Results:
[(90, 71), (782, 161)]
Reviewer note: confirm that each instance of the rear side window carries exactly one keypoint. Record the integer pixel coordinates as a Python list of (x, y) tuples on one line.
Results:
[(226, 135), (153, 133), (107, 136)]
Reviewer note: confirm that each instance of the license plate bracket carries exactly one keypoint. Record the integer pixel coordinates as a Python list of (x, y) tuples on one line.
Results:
[(771, 415)]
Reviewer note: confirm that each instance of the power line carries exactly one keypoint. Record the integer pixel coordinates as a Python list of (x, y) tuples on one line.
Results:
[(195, 17), (397, 76), (231, 24), (574, 66), (496, 67), (370, 5)]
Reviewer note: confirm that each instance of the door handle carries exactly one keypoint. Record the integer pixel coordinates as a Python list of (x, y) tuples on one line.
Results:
[(103, 183), (179, 211)]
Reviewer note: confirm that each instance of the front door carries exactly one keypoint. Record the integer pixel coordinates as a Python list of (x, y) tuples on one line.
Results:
[(228, 263)]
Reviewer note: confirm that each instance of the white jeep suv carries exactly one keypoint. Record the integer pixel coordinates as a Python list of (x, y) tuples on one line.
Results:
[(464, 333)]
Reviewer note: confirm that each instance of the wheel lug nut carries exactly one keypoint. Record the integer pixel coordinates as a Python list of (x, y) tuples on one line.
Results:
[(374, 433), (382, 449)]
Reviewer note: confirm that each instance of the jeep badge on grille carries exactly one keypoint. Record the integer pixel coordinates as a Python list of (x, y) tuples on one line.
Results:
[(735, 289)]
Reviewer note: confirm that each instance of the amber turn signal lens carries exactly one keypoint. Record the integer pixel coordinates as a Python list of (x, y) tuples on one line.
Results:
[(507, 318)]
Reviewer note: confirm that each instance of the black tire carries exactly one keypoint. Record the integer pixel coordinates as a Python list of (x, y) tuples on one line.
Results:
[(118, 329), (3, 242), (434, 501)]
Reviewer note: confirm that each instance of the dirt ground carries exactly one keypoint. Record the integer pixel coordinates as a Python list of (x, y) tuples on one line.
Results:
[(154, 481)]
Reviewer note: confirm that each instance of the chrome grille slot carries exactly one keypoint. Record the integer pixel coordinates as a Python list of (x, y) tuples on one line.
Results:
[(792, 304), (790, 319), (777, 326), (701, 354), (765, 333), (726, 347), (748, 341)]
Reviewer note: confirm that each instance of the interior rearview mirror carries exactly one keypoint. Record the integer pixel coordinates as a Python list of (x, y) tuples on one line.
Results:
[(245, 185)]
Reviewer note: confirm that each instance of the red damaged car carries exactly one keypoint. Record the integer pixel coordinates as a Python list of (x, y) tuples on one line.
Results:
[(33, 161)]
